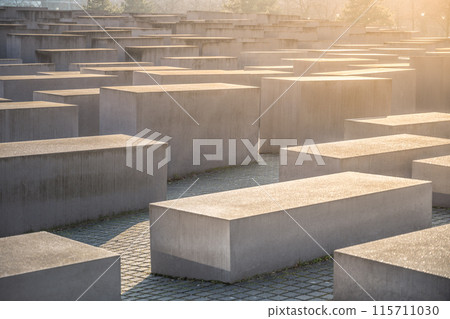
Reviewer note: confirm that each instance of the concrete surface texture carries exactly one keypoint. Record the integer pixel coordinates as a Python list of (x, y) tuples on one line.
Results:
[(403, 85), (241, 77), (87, 101), (314, 107), (412, 266), (21, 87), (44, 266), (202, 62), (125, 73), (433, 81), (387, 155), (429, 124), (211, 237), (437, 170), (62, 58), (23, 121), (214, 106), (84, 177)]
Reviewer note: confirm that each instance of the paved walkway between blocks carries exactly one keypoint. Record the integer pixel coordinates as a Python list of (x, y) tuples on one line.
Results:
[(129, 236)]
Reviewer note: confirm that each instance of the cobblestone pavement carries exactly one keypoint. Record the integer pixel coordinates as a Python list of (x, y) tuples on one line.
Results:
[(128, 235)]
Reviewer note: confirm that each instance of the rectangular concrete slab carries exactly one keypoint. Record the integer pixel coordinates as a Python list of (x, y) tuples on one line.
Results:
[(229, 236), (62, 58), (87, 101), (44, 266), (202, 62), (79, 66), (156, 52), (427, 124), (26, 68), (437, 170), (21, 87), (412, 266), (208, 111), (50, 183), (315, 107), (241, 77), (387, 155), (403, 85), (23, 121), (125, 73)]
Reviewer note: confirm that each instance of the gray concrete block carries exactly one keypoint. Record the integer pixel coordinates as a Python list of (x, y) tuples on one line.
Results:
[(428, 124), (26, 68), (229, 236), (62, 58), (87, 101), (222, 111), (412, 266), (437, 170), (44, 266), (23, 121), (316, 107), (49, 183), (21, 87), (386, 155)]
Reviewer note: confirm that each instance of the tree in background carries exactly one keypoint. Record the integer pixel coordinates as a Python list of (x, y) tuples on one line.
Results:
[(251, 6), (376, 16), (137, 6)]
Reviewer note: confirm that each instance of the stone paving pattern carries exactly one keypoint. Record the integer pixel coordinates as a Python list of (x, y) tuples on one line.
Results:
[(128, 235)]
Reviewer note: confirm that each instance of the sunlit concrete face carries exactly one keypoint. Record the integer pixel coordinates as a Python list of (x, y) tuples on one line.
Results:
[(413, 266), (403, 85), (437, 170), (45, 267), (316, 107), (387, 155), (233, 235), (427, 124)]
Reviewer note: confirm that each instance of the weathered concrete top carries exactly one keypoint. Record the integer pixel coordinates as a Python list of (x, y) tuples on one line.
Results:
[(424, 251), (66, 75), (390, 49), (199, 57), (365, 55), (45, 35), (326, 78), (147, 47), (65, 145), (376, 145), (248, 202), (438, 161), (39, 251), (71, 92), (204, 38), (383, 65), (130, 68), (4, 100), (364, 71), (75, 50), (182, 35), (327, 60), (442, 49), (30, 105), (189, 72), (104, 64), (406, 119), (179, 87)]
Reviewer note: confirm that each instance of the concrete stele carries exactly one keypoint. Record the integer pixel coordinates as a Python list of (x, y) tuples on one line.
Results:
[(229, 236)]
